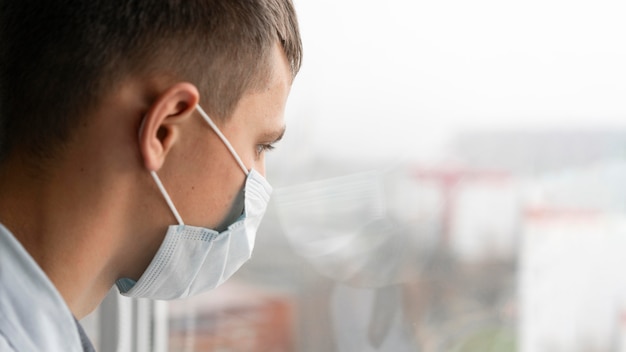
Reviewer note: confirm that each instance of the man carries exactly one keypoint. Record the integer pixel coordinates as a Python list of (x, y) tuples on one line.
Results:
[(133, 135)]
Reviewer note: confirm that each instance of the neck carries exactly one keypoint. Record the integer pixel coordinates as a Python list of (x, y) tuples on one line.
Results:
[(70, 224)]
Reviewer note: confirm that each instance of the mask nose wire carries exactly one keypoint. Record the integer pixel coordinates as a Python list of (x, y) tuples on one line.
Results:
[(223, 138)]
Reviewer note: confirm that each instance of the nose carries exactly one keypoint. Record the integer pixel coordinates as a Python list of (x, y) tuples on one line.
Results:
[(259, 165)]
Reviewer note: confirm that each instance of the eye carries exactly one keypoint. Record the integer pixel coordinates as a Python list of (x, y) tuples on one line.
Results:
[(262, 148)]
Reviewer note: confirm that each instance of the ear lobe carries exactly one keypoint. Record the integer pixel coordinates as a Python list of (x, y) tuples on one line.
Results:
[(159, 129)]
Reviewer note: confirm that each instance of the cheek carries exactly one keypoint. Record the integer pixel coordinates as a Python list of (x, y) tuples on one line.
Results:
[(202, 185), (244, 141), (210, 194)]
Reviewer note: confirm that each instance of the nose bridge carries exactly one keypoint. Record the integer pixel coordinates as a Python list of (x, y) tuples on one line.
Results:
[(219, 133)]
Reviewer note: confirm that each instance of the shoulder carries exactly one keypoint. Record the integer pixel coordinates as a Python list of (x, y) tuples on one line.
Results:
[(33, 315), (4, 344)]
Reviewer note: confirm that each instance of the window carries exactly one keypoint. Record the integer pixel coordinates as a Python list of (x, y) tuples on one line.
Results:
[(452, 179)]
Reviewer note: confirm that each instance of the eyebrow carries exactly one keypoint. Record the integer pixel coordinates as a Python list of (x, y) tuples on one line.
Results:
[(274, 136)]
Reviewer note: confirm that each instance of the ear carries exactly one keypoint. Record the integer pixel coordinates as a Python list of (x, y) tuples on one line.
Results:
[(160, 126)]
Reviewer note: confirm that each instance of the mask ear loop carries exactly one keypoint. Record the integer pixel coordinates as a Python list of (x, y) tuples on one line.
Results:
[(168, 200), (159, 184), (223, 138)]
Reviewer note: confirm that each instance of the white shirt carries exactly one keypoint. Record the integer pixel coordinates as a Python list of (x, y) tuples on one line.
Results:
[(33, 315)]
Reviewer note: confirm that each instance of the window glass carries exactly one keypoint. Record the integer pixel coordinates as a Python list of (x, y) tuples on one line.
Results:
[(451, 179)]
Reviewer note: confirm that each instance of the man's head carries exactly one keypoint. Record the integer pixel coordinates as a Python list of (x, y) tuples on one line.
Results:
[(95, 95), (59, 58)]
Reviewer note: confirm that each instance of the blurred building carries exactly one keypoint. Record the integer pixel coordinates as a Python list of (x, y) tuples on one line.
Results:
[(235, 318), (571, 289)]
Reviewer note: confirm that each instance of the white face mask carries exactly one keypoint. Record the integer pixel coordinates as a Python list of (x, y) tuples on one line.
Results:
[(194, 259)]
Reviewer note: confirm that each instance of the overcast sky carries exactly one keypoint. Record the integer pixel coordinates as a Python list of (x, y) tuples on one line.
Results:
[(399, 77)]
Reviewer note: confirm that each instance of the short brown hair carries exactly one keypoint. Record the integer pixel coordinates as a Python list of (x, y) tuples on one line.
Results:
[(59, 57)]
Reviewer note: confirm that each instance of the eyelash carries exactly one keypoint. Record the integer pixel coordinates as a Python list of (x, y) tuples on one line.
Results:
[(264, 148)]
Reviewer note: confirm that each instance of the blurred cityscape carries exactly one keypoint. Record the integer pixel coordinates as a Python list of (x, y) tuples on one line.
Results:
[(514, 243)]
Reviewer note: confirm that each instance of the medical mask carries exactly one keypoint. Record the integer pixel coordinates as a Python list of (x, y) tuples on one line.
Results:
[(195, 259)]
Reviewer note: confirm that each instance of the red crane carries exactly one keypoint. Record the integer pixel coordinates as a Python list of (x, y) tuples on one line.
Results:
[(449, 179)]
